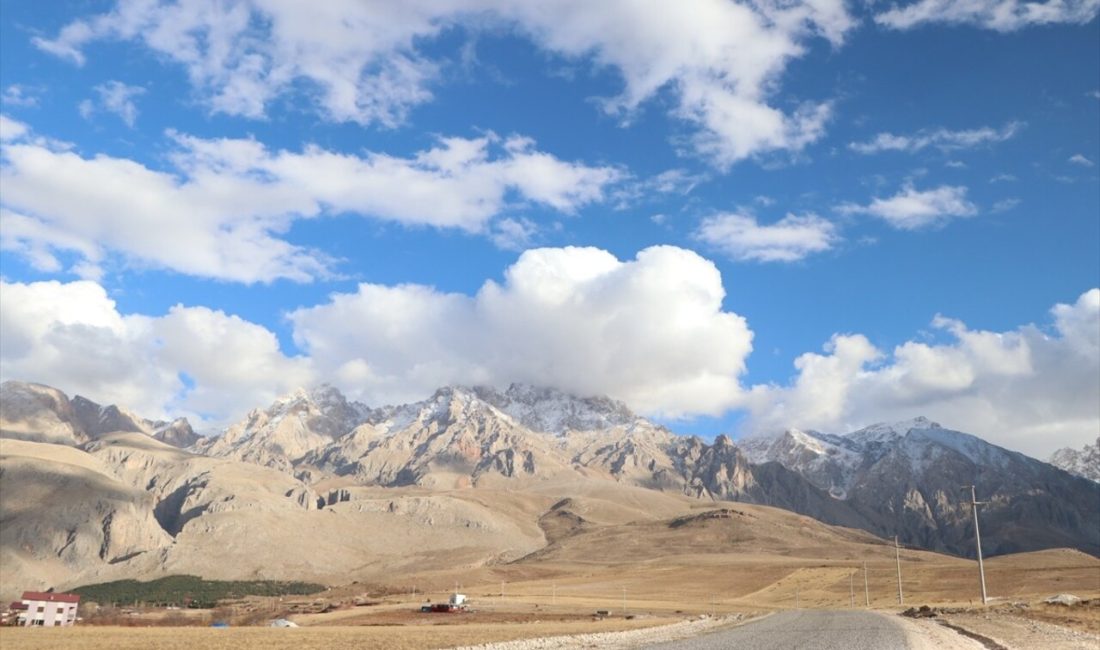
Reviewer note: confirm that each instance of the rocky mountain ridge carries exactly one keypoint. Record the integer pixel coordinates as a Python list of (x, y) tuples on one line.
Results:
[(906, 478), (889, 479), (40, 413)]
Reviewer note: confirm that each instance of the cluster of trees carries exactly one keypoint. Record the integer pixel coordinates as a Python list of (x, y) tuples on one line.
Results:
[(188, 591)]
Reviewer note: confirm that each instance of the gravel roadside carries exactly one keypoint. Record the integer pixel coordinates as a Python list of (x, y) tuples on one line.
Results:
[(1020, 633), (926, 634), (615, 640)]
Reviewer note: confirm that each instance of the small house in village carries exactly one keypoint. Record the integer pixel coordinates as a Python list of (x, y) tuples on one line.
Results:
[(47, 609)]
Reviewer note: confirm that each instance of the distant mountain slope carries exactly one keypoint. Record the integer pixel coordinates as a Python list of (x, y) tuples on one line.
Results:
[(44, 414), (906, 479), (64, 513), (38, 413), (1084, 462)]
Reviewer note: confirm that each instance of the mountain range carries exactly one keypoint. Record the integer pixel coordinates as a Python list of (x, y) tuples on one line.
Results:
[(98, 491)]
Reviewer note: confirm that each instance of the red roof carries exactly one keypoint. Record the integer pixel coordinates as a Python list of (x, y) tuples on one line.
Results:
[(51, 597), (17, 606)]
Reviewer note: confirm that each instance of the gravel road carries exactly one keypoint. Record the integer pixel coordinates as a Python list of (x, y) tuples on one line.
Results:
[(804, 630)]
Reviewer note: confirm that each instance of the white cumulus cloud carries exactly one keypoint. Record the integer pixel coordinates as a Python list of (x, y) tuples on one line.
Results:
[(790, 239), (1026, 389), (721, 59), (999, 15), (912, 209), (221, 211), (650, 331), (72, 336)]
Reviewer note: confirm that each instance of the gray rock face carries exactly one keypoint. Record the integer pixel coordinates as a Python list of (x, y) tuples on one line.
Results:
[(905, 479), (177, 433), (282, 434)]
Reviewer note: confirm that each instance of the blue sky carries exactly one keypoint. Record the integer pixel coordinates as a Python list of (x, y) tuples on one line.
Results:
[(895, 196)]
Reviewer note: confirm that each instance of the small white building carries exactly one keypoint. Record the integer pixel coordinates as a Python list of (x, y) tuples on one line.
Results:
[(458, 600), (47, 609)]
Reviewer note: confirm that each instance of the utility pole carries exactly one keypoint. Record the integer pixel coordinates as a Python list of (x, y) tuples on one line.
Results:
[(554, 594), (852, 590), (974, 503), (796, 596), (624, 601), (866, 589), (897, 558)]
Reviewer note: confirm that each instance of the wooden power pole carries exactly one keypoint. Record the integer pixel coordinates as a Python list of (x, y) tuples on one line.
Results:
[(974, 503), (897, 558)]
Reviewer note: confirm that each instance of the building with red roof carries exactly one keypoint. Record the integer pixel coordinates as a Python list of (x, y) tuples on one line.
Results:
[(48, 609)]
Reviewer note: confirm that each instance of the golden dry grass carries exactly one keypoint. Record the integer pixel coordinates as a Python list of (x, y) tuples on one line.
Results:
[(306, 638)]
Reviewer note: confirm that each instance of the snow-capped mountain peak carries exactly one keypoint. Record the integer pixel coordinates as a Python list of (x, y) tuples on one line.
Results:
[(550, 410), (1084, 462), (887, 431), (816, 456)]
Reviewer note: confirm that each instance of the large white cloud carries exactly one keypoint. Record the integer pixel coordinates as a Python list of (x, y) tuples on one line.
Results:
[(1026, 389), (650, 331), (721, 59), (222, 210), (72, 336), (1000, 15)]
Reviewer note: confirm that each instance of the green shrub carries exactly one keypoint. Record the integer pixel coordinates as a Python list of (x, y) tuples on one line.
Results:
[(188, 591)]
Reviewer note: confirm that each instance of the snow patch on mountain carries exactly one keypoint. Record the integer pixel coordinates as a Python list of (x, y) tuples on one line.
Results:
[(825, 462), (1084, 462), (549, 410)]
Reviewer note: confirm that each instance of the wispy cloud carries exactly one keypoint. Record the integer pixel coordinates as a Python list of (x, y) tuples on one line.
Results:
[(942, 139), (999, 15), (222, 208), (18, 95), (912, 209), (114, 97), (744, 238), (1078, 159), (363, 62), (513, 234)]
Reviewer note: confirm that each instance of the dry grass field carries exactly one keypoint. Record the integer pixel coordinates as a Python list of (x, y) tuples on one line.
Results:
[(732, 558), (308, 638)]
